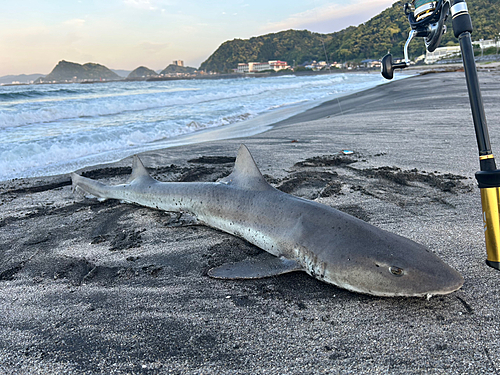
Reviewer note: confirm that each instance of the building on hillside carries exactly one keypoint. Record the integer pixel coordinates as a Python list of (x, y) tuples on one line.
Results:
[(316, 65), (370, 63), (242, 68), (178, 62), (444, 52), (487, 43), (256, 67), (278, 65), (441, 53), (252, 67)]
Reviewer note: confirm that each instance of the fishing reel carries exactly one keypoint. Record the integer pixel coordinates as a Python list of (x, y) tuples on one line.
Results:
[(427, 18)]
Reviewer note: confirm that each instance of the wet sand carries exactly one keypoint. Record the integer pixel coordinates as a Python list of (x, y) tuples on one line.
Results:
[(90, 288)]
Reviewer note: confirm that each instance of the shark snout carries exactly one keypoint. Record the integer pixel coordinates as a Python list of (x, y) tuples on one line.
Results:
[(428, 278), (395, 277), (439, 280)]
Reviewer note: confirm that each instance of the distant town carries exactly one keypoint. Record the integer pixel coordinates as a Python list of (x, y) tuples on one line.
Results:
[(277, 65), (441, 54)]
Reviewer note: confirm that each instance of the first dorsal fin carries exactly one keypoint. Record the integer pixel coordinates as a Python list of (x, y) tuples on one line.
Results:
[(139, 172), (246, 174)]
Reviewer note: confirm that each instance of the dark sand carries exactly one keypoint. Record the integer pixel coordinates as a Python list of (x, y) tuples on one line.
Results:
[(91, 288)]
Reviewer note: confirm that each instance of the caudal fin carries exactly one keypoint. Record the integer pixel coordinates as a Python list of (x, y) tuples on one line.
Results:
[(103, 191), (89, 186)]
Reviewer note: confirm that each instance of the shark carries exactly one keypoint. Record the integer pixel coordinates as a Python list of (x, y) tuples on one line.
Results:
[(298, 234)]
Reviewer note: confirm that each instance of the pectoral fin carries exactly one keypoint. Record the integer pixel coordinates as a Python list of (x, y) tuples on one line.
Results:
[(261, 267)]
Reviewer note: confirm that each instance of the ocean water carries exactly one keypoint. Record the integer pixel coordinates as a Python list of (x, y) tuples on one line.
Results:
[(53, 129)]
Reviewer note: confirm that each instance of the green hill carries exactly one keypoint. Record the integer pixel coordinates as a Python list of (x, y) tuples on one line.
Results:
[(66, 71), (142, 72), (372, 39), (172, 69), (22, 78), (287, 45)]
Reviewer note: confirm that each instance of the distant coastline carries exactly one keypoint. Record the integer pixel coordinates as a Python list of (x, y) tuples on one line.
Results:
[(206, 76), (194, 75)]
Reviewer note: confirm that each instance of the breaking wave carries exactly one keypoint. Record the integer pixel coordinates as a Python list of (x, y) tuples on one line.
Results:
[(50, 129), (34, 94)]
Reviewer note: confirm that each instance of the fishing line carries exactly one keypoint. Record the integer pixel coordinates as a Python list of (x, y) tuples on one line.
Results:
[(321, 36)]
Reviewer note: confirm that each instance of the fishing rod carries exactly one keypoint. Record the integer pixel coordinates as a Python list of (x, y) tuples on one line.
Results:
[(427, 18)]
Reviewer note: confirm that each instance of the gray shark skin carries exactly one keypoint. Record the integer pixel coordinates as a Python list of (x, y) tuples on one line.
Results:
[(303, 235)]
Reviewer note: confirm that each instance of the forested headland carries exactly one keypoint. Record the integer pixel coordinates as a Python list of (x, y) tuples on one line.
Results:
[(385, 32)]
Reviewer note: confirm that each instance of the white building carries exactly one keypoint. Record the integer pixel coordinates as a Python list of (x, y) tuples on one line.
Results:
[(370, 63), (242, 68), (278, 65), (256, 67), (253, 67), (487, 43), (317, 65), (443, 52)]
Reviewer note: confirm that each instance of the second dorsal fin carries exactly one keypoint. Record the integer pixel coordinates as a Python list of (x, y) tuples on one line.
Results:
[(246, 174)]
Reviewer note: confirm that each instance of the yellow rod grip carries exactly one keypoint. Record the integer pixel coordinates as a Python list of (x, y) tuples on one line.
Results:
[(490, 200)]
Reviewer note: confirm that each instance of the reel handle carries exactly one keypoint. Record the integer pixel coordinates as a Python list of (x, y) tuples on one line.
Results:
[(388, 66)]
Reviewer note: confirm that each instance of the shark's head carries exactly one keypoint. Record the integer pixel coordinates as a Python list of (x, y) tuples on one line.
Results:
[(390, 276), (385, 264)]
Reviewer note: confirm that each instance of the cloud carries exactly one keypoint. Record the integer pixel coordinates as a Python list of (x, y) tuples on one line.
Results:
[(142, 4), (153, 48), (148, 4), (74, 23), (329, 14)]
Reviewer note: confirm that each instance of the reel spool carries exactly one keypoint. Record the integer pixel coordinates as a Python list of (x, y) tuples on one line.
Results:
[(437, 29), (423, 8), (427, 18)]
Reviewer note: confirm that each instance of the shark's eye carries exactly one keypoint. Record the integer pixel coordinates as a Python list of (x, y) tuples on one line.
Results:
[(396, 271)]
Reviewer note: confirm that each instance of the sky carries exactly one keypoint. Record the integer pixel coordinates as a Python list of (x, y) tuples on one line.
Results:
[(126, 34)]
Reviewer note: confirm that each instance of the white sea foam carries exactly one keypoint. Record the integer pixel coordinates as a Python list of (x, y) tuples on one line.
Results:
[(51, 129)]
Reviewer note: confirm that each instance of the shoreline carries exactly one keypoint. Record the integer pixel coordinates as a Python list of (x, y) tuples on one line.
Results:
[(252, 126), (204, 77), (100, 287), (433, 68), (240, 75)]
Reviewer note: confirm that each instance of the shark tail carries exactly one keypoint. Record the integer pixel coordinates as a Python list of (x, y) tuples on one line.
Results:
[(102, 191), (89, 186)]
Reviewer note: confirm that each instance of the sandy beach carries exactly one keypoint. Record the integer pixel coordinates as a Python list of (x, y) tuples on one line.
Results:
[(110, 288)]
